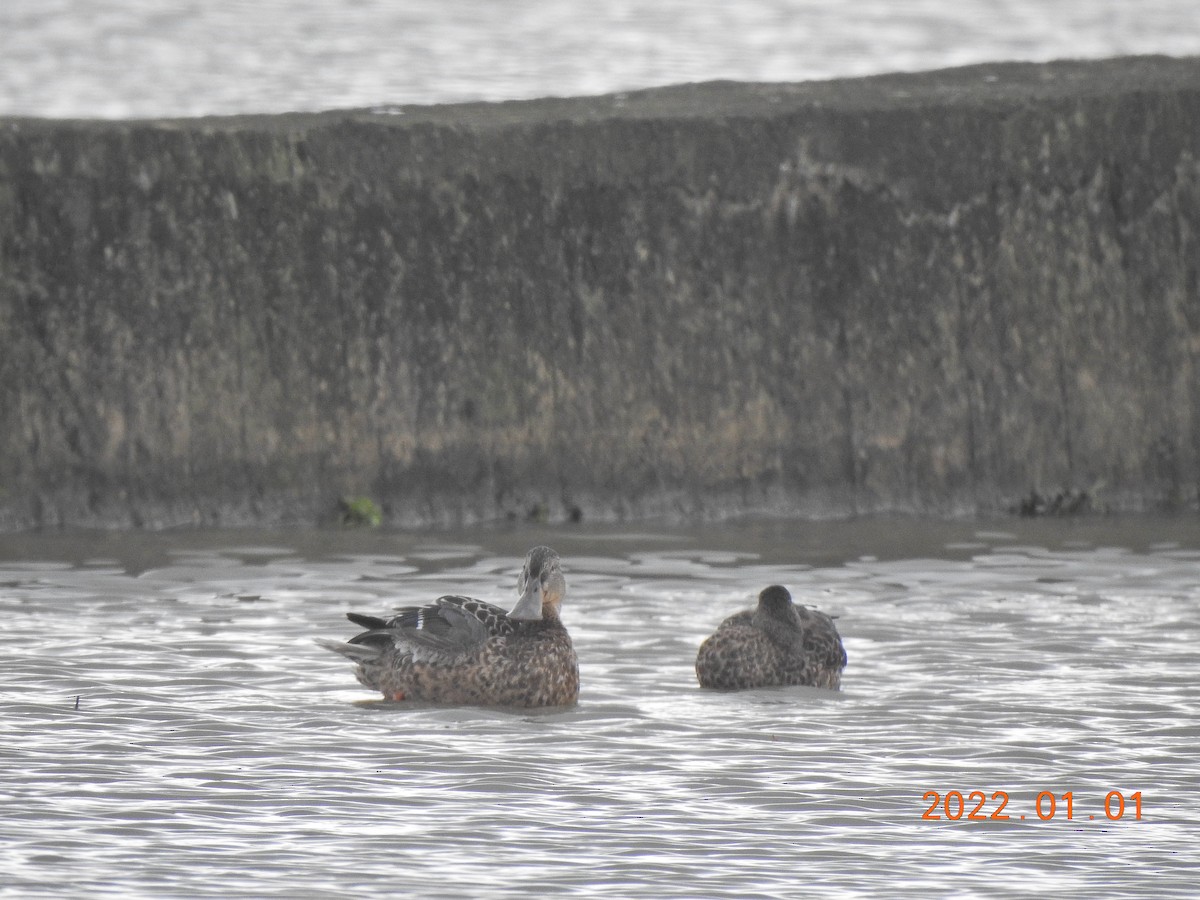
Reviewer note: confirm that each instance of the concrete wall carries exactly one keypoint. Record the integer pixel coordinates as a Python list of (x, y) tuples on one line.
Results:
[(930, 293)]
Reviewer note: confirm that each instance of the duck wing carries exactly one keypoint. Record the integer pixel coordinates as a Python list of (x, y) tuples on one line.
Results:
[(821, 639), (439, 633)]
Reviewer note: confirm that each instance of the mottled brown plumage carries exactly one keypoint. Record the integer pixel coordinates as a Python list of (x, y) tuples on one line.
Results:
[(460, 651), (775, 644)]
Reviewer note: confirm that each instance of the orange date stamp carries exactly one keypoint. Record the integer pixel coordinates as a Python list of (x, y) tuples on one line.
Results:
[(977, 806)]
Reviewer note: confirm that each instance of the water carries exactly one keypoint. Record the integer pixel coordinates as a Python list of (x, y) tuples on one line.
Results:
[(137, 58), (168, 728)]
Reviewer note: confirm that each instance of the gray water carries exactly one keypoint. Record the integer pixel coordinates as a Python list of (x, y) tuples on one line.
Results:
[(137, 58), (169, 729)]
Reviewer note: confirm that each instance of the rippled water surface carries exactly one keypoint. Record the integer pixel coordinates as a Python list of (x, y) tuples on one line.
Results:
[(170, 729), (121, 58)]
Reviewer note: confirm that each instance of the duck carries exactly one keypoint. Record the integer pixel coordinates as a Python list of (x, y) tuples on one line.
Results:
[(459, 651), (777, 643)]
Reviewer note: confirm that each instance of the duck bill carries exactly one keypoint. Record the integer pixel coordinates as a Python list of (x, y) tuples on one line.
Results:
[(529, 607)]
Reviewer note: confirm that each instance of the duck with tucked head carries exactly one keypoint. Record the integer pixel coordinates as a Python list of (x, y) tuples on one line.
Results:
[(775, 644), (460, 651)]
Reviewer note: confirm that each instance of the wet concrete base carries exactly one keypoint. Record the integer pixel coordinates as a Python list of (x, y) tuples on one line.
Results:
[(944, 293)]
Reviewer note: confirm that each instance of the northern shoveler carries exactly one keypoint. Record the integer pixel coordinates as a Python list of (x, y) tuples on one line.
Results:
[(460, 651), (776, 643)]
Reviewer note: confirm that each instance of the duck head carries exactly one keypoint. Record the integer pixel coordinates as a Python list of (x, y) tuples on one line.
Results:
[(541, 585), (775, 604)]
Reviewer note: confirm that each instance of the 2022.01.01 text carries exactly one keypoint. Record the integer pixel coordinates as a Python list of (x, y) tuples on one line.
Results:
[(973, 806)]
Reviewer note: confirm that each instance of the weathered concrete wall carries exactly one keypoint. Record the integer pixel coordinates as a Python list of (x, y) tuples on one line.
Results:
[(933, 293)]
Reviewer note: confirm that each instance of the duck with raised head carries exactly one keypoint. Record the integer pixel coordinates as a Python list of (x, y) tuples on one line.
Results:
[(461, 651), (776, 643)]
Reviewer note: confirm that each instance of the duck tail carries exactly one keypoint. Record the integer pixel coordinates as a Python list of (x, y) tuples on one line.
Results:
[(366, 621), (359, 653)]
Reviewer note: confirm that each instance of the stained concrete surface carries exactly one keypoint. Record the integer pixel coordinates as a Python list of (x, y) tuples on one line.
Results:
[(937, 293)]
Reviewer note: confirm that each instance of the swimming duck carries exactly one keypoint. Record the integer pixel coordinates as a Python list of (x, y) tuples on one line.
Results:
[(461, 651), (776, 643)]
